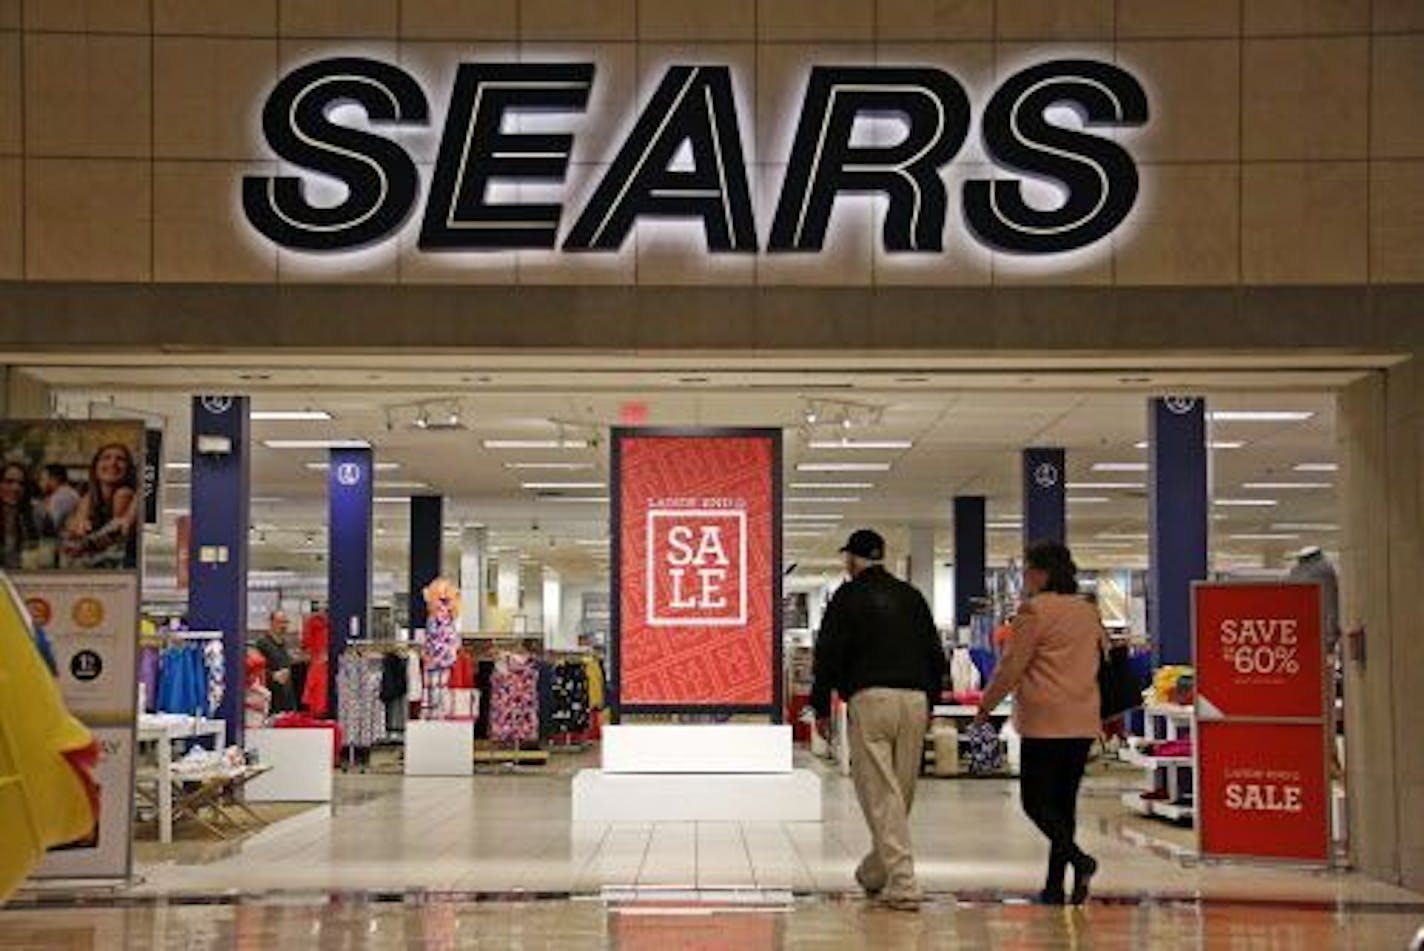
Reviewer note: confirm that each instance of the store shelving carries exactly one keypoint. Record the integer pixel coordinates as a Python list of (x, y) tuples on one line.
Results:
[(1173, 774)]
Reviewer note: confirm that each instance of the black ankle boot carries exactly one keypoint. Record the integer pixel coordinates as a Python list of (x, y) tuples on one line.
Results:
[(1084, 868)]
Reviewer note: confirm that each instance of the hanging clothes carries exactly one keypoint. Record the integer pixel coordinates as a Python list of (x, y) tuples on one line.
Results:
[(216, 668), (484, 687), (148, 676), (315, 693), (463, 695), (569, 699), (183, 681), (593, 670), (358, 700), (514, 706)]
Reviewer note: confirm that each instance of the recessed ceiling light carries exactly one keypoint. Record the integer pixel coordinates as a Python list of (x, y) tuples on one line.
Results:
[(401, 484), (1120, 467), (585, 499), (1092, 486), (316, 444), (175, 511), (1088, 499), (817, 486), (379, 466), (1317, 467), (860, 444), (563, 485), (1263, 536), (1260, 416), (391, 499), (1245, 503), (807, 517), (1123, 536), (843, 467), (535, 443), (289, 415), (1305, 527), (180, 466), (1287, 485), (563, 466), (1004, 526), (803, 532), (265, 499), (1215, 444), (824, 499)]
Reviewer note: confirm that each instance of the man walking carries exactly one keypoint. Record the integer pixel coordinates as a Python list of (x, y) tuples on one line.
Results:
[(879, 649)]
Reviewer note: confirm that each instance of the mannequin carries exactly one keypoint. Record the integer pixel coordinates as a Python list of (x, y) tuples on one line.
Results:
[(440, 648), (1312, 565)]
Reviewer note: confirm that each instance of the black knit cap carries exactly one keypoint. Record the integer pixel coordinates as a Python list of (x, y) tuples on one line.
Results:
[(865, 543)]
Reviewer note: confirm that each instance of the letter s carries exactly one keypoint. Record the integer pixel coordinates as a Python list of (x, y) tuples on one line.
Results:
[(1099, 175), (380, 178)]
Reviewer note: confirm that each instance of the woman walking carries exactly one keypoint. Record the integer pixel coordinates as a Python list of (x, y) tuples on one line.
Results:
[(1051, 668)]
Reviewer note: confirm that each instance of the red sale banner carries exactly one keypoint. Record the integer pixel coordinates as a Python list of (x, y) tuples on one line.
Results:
[(1262, 779), (697, 578), (1262, 790), (1259, 650)]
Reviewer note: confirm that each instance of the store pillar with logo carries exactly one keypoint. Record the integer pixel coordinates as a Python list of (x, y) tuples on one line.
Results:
[(696, 634), (350, 497), (1045, 502)]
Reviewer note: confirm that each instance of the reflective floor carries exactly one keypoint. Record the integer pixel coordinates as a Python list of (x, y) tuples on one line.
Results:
[(441, 923)]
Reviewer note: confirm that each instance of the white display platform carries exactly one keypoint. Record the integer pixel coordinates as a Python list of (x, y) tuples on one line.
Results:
[(440, 748), (301, 765), (697, 748), (599, 796)]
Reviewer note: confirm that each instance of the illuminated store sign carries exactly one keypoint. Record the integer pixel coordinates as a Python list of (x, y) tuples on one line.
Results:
[(683, 158)]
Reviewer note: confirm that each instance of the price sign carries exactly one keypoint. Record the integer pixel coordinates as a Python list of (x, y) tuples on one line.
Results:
[(1259, 650)]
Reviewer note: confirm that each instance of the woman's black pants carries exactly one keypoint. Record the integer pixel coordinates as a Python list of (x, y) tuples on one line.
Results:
[(1050, 772)]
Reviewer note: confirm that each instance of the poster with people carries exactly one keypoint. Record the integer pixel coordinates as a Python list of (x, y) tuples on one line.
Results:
[(71, 494)]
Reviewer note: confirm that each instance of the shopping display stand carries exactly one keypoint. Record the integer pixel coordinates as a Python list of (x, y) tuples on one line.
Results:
[(440, 748), (1172, 776)]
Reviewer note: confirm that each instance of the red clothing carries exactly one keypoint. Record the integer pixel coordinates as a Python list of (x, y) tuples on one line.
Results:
[(315, 635)]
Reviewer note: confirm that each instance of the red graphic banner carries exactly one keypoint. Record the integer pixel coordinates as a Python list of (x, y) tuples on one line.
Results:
[(697, 583), (1262, 783), (1262, 790), (1260, 649)]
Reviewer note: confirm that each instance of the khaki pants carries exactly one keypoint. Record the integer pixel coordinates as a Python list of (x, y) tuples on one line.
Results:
[(887, 741)]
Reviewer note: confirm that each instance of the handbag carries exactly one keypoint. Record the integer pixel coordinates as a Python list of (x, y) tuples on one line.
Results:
[(1117, 685)]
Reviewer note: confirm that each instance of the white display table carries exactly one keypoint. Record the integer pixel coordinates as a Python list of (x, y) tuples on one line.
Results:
[(697, 773), (301, 765), (440, 748), (163, 730)]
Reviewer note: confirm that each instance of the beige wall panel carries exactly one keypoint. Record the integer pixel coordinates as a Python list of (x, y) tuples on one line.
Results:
[(1055, 19), (1186, 229), (208, 96), (1397, 88), (674, 20), (98, 16), (338, 18), (11, 96), (1154, 18), (836, 20), (87, 219), (1303, 223), (87, 96), (459, 19), (12, 220), (1278, 17), (10, 14), (199, 233), (216, 17), (587, 20), (922, 20), (1194, 99), (1398, 15), (1397, 222), (1302, 98)]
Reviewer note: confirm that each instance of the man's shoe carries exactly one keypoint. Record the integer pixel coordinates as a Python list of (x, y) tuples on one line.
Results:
[(901, 902), (871, 889)]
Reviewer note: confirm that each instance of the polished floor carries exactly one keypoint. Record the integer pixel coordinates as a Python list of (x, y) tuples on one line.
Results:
[(435, 924)]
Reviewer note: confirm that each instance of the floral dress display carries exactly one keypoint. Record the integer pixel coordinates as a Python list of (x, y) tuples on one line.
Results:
[(514, 701)]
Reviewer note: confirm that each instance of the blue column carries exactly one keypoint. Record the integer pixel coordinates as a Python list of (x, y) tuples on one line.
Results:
[(350, 501), (1180, 518), (427, 532), (970, 554), (217, 547), (1045, 506)]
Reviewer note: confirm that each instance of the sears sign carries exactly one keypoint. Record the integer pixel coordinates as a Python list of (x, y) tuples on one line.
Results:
[(693, 112)]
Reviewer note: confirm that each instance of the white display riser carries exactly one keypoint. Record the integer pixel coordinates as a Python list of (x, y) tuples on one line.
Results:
[(301, 765), (696, 797), (1161, 723), (440, 748), (697, 748)]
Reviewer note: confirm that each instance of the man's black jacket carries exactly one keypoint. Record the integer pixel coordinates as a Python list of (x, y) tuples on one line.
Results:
[(877, 632)]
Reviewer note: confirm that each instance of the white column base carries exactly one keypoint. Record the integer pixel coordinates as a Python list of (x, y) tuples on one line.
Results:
[(697, 748), (599, 796)]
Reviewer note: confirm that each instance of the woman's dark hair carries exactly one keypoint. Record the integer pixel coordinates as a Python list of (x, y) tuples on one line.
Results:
[(1055, 560)]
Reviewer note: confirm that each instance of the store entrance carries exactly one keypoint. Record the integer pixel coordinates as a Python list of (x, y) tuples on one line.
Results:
[(517, 455)]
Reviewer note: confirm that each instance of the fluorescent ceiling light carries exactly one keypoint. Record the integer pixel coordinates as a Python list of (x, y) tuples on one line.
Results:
[(817, 486), (564, 466), (1105, 545), (599, 542), (803, 532), (1088, 499), (825, 499), (860, 444), (535, 443), (588, 499), (401, 484), (1260, 416), (1123, 536), (175, 511), (379, 466), (316, 444), (1004, 526), (265, 499), (1262, 537), (843, 467), (188, 465), (1305, 527), (1287, 485), (289, 415), (1120, 466), (1246, 503), (391, 499), (1090, 486), (1215, 444), (562, 485), (807, 517), (1318, 467)]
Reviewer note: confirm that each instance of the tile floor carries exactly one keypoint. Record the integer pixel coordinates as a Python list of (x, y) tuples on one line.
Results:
[(511, 833)]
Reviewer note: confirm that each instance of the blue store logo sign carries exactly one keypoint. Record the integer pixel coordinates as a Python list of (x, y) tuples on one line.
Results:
[(1045, 476), (348, 473)]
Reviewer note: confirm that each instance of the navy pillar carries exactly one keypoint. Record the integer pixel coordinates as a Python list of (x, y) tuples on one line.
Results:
[(971, 547), (221, 497), (350, 502), (1179, 521), (1045, 506), (427, 532)]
